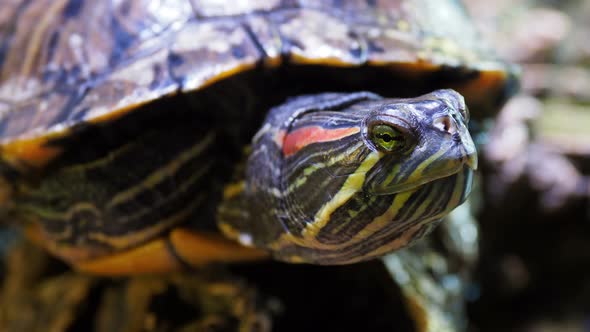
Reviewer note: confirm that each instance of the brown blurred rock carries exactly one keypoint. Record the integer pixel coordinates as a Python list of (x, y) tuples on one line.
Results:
[(557, 81), (531, 144), (521, 31)]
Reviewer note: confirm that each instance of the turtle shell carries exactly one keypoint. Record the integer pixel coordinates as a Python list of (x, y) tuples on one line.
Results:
[(66, 63)]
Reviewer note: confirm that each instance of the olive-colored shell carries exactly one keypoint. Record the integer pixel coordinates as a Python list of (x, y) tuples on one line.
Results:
[(67, 62)]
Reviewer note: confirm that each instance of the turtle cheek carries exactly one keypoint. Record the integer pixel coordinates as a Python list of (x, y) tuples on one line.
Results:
[(378, 177), (391, 175), (426, 163)]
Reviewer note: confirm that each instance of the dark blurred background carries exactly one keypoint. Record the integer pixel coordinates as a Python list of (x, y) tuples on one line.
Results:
[(534, 267)]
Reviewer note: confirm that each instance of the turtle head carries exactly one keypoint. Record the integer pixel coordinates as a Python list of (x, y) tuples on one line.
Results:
[(420, 140), (341, 178)]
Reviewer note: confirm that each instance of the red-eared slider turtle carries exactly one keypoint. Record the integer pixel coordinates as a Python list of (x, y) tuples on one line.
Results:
[(121, 121)]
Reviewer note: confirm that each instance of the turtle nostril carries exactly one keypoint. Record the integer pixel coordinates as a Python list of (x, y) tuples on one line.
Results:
[(445, 124)]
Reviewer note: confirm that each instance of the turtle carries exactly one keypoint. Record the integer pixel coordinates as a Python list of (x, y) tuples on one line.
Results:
[(153, 136)]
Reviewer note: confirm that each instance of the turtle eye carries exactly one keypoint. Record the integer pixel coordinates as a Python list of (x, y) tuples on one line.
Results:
[(387, 138)]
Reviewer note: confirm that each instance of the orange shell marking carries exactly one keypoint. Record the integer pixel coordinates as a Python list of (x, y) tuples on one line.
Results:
[(150, 258), (200, 248), (31, 152), (158, 256)]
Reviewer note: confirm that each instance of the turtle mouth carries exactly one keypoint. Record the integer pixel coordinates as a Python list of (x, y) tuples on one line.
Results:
[(467, 162), (470, 160), (459, 184)]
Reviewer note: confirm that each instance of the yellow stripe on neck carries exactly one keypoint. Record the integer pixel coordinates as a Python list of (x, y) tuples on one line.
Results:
[(351, 186)]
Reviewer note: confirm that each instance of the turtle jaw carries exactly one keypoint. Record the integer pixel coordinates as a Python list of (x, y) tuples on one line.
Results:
[(471, 161), (425, 173)]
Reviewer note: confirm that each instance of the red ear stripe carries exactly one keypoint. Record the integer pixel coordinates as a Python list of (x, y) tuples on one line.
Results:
[(300, 138)]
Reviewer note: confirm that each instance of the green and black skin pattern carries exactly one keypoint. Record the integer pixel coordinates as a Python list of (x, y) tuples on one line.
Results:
[(340, 178)]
